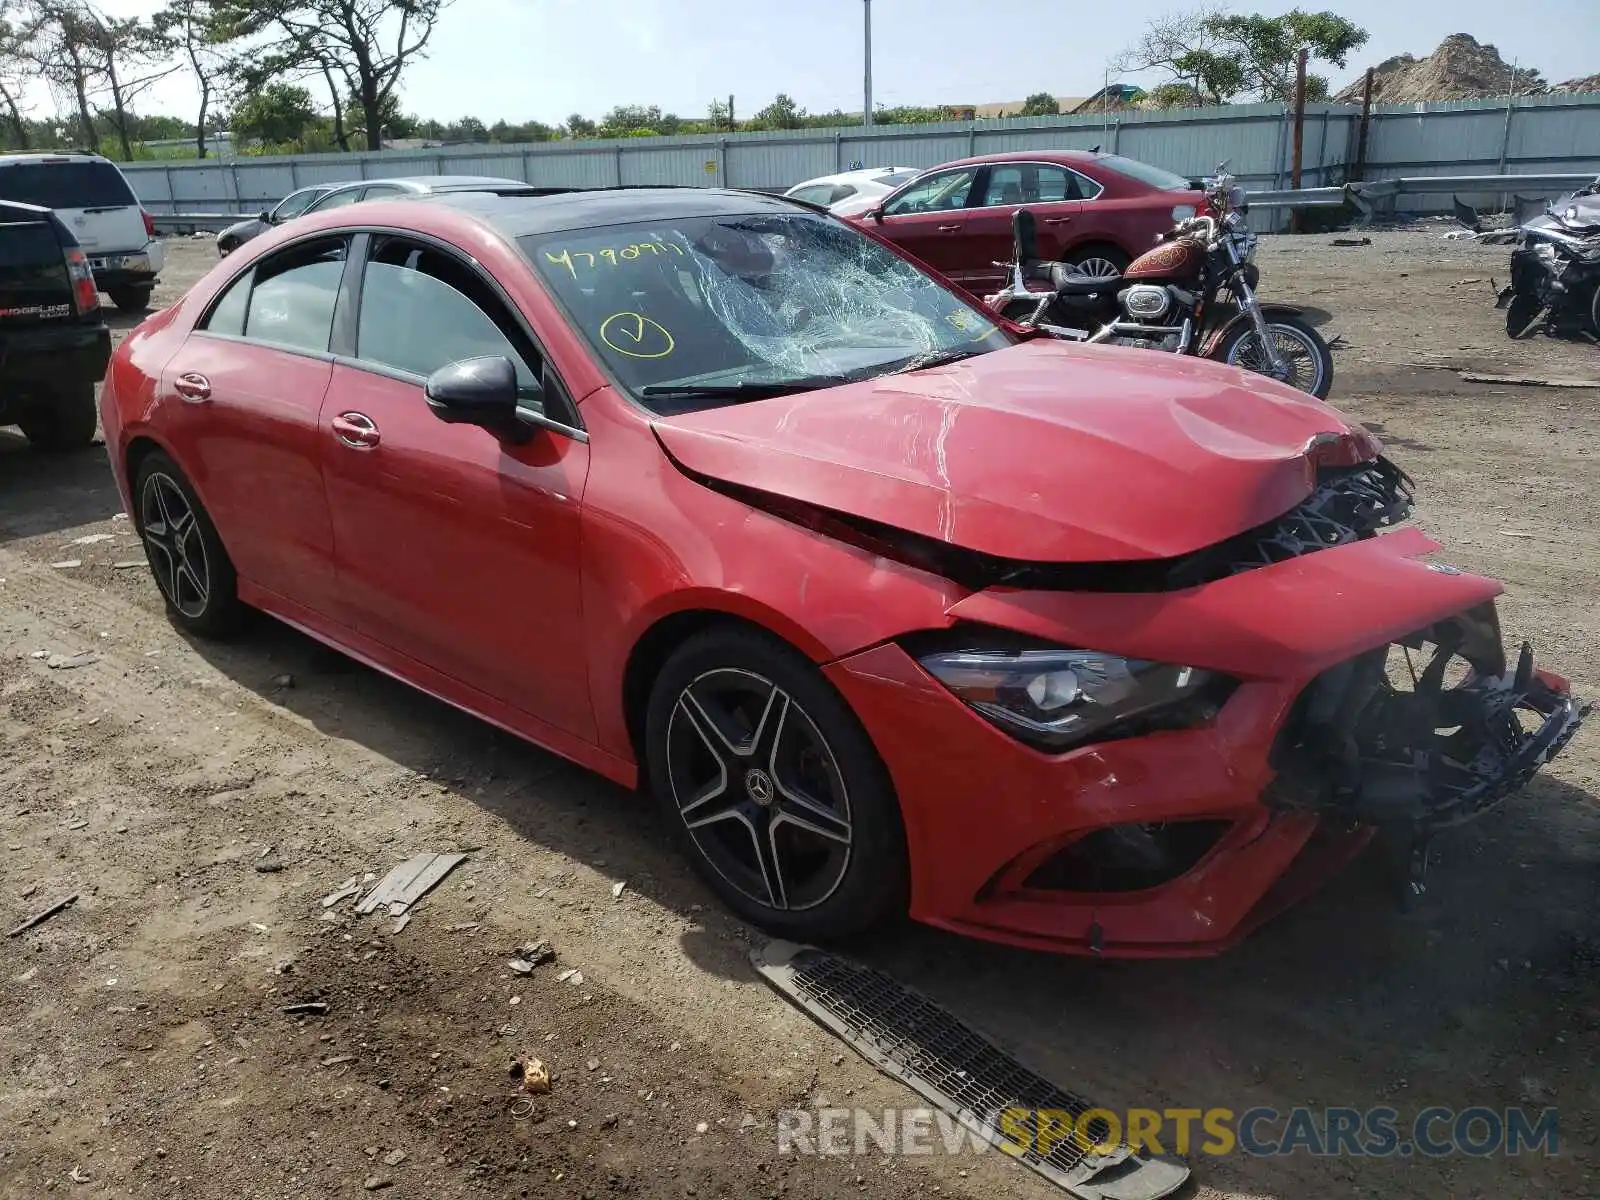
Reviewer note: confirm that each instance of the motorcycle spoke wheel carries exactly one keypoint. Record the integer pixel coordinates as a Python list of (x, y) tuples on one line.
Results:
[(1301, 359)]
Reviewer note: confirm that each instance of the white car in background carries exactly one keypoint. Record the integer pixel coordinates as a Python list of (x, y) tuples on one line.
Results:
[(91, 196), (853, 191)]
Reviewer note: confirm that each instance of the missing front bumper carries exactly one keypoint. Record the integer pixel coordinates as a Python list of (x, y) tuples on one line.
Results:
[(1425, 733)]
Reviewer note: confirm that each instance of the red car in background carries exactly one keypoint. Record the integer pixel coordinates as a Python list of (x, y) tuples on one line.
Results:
[(1096, 211)]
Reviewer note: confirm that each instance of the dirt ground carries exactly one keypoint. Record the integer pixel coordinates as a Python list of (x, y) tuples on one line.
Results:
[(144, 1049)]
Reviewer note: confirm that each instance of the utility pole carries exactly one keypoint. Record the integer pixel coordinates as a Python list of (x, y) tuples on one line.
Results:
[(866, 108), (1299, 131)]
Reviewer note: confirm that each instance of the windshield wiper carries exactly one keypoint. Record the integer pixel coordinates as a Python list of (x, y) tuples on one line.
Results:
[(934, 358), (744, 390)]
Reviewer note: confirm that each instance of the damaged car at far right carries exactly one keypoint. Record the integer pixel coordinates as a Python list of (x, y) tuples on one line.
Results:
[(1555, 270)]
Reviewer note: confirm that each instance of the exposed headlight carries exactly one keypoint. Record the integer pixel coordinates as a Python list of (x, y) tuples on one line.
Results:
[(1055, 699)]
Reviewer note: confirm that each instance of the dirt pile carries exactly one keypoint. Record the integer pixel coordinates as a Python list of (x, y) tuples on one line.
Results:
[(1461, 68), (1589, 84)]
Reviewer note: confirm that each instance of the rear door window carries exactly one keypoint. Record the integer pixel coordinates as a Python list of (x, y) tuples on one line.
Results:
[(292, 302), (69, 184), (336, 199), (1030, 183), (227, 315)]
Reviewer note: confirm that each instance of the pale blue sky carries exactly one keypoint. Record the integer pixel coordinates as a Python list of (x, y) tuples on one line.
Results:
[(543, 59)]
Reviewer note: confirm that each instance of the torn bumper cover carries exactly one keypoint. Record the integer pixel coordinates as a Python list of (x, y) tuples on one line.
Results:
[(1372, 693), (1427, 732)]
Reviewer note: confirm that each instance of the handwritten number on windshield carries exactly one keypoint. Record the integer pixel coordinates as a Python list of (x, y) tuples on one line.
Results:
[(614, 255)]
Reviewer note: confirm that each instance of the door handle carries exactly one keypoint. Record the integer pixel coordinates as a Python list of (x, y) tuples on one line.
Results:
[(356, 430), (949, 228), (1057, 220), (192, 386)]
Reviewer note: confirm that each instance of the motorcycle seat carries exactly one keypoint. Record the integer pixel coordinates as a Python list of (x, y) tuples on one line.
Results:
[(1069, 281)]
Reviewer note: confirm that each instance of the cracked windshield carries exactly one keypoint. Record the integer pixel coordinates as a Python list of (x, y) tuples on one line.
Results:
[(692, 310)]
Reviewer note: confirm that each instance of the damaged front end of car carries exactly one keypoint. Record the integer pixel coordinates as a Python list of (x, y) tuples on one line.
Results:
[(1426, 732)]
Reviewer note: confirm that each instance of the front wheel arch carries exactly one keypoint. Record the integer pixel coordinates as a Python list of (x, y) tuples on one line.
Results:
[(657, 644)]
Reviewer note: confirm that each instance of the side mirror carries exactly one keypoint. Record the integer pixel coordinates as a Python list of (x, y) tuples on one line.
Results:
[(876, 213), (1024, 236), (266, 216), (480, 391)]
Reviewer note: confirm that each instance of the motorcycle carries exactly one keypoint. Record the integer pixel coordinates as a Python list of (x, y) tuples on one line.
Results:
[(1193, 293), (1555, 269)]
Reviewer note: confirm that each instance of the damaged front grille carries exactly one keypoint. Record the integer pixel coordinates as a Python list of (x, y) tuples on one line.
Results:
[(1380, 740), (1346, 506)]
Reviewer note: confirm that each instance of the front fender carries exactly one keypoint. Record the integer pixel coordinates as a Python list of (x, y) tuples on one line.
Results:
[(1215, 338)]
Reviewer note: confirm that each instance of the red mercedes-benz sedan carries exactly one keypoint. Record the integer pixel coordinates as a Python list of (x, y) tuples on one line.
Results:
[(1096, 211), (1066, 646)]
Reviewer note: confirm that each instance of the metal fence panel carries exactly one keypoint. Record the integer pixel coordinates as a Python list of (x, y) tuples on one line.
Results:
[(1546, 134)]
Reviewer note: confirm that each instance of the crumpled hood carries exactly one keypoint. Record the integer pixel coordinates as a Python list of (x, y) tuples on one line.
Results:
[(1046, 451)]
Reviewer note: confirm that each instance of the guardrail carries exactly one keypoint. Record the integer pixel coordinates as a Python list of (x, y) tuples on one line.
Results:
[(195, 222)]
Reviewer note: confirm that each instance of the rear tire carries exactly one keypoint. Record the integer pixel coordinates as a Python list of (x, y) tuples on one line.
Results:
[(187, 558), (61, 420), (773, 790), (131, 299), (1309, 357)]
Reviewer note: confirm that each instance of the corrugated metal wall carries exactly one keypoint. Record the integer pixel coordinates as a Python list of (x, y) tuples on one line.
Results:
[(1559, 133), (1543, 135)]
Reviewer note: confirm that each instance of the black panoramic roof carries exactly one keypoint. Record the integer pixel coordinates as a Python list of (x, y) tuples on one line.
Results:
[(535, 210)]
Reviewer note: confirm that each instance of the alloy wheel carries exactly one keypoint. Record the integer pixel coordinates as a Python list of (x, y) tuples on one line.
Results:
[(758, 789), (1098, 268), (174, 544), (1301, 359)]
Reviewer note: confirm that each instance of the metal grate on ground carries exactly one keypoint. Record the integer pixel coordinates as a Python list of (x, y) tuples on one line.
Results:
[(905, 1034)]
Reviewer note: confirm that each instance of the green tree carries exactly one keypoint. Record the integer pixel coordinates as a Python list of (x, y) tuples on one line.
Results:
[(631, 120), (1040, 104), (579, 126), (1266, 48), (1173, 95), (1221, 55), (359, 47), (782, 113), (188, 27), (278, 114)]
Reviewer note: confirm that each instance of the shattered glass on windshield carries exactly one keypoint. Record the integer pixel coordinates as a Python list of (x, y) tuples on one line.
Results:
[(716, 304)]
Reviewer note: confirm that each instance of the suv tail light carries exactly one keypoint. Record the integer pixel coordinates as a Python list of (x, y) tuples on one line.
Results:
[(85, 296), (149, 224)]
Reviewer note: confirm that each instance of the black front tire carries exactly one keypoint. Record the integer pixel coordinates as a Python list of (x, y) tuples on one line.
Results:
[(131, 299), (1521, 314), (60, 420), (869, 888), (202, 590)]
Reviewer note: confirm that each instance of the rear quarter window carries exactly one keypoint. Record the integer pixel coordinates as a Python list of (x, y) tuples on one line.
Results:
[(1150, 176), (73, 184)]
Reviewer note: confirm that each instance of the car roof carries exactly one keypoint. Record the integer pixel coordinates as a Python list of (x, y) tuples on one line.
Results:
[(529, 210), (858, 173), (431, 183), (1067, 158), (21, 157)]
